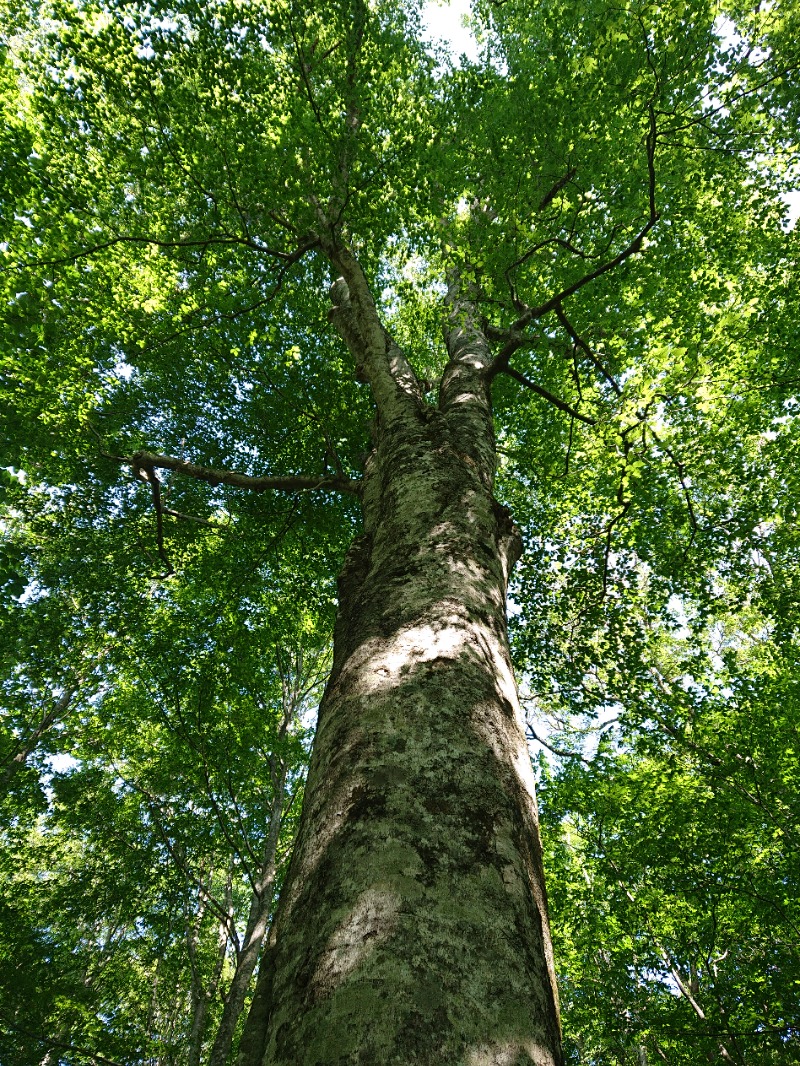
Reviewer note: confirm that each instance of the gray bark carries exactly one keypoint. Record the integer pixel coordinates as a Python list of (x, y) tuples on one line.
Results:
[(412, 925), (254, 1034), (202, 994)]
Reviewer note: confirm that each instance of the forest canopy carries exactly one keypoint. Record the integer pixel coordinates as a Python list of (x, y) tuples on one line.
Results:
[(201, 205)]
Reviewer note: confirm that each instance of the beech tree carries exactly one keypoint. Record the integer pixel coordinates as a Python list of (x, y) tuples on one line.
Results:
[(292, 294)]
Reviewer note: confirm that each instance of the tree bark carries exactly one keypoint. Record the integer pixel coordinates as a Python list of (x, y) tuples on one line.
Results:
[(412, 926), (202, 993), (254, 1033)]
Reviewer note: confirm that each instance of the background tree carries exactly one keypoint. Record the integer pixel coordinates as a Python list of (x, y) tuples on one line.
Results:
[(135, 909), (591, 213)]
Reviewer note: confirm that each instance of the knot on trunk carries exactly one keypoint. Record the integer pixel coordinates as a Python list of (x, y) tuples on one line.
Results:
[(340, 296), (509, 538)]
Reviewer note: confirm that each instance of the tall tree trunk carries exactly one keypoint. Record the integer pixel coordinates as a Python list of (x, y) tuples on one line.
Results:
[(202, 993), (412, 926), (254, 1033)]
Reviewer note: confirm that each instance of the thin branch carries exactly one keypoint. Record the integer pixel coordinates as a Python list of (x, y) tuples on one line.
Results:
[(531, 734), (307, 84), (560, 404), (560, 241), (279, 220), (149, 461), (157, 811), (50, 1042), (167, 144), (225, 829), (584, 347), (725, 103), (231, 316), (26, 746), (726, 772), (556, 189), (680, 470), (569, 446), (662, 951), (205, 242), (515, 338), (607, 550), (193, 518), (149, 476)]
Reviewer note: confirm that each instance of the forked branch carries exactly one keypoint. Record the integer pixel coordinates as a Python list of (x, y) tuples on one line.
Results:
[(379, 359)]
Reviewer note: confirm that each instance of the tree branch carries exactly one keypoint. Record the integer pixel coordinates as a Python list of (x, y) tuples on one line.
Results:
[(379, 360), (193, 518), (556, 189), (584, 347), (515, 338), (554, 400), (147, 474), (52, 1042), (149, 461), (287, 258)]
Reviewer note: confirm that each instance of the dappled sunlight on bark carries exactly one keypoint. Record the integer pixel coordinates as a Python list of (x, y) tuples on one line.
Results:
[(368, 923), (511, 1053), (378, 665)]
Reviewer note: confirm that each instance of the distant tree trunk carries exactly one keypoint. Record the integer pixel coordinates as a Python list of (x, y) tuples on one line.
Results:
[(254, 1034), (26, 746), (257, 921), (202, 993), (412, 926)]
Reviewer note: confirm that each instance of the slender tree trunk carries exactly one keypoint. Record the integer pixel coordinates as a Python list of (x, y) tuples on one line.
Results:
[(257, 921), (15, 762), (254, 1034), (202, 994), (412, 925)]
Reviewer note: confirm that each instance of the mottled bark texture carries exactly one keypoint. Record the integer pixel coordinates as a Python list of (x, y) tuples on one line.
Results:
[(412, 926)]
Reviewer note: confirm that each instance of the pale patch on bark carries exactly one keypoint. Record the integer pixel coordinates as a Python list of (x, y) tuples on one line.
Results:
[(380, 664), (368, 923), (510, 1053), (522, 764)]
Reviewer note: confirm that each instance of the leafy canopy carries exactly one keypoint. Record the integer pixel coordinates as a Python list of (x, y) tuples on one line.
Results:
[(608, 183)]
